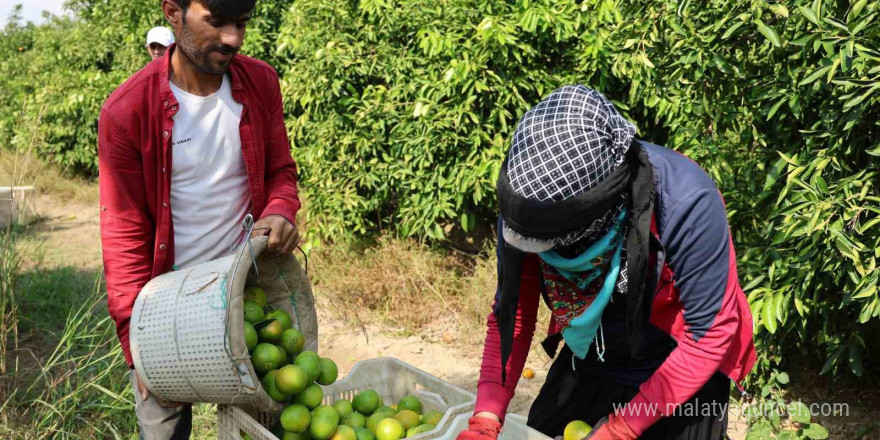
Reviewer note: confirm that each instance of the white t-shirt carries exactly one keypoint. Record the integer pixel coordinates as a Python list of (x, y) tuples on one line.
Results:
[(210, 195)]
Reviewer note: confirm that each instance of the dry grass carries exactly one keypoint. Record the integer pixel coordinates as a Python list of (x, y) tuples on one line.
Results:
[(23, 168), (409, 288)]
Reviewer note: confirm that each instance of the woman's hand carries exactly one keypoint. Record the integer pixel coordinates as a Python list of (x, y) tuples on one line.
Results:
[(482, 426)]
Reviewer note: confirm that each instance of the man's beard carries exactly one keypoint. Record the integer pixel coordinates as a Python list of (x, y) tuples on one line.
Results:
[(200, 58)]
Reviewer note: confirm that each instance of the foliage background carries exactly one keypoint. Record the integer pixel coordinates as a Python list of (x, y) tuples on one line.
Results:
[(400, 112)]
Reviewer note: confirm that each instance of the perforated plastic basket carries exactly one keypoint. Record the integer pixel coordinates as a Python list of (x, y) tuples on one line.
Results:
[(187, 333), (392, 379), (515, 428)]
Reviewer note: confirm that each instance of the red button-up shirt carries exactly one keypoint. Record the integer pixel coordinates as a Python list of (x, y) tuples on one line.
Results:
[(134, 163)]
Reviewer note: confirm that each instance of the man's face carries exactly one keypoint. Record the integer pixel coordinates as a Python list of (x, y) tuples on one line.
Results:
[(156, 50), (209, 42)]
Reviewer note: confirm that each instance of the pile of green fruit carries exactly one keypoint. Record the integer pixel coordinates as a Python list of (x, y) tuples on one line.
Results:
[(363, 418), (294, 376)]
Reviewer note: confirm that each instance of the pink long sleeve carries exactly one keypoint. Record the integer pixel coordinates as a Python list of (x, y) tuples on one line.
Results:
[(492, 396)]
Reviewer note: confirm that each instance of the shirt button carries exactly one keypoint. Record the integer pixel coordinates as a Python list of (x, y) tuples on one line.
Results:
[(162, 246), (166, 103), (103, 208), (164, 205), (165, 133), (163, 170)]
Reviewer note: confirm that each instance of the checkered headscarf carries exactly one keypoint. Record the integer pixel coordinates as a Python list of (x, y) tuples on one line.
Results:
[(572, 140)]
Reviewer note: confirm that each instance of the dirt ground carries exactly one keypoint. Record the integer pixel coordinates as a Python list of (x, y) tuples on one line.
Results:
[(70, 236)]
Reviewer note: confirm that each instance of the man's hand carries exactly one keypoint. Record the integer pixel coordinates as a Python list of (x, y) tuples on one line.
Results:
[(145, 394), (283, 235)]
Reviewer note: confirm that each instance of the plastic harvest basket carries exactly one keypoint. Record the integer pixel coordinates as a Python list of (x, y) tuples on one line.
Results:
[(391, 378), (233, 421), (187, 334)]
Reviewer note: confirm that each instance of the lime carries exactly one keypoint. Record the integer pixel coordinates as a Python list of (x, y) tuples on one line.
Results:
[(432, 417), (295, 418), (576, 430), (416, 430), (329, 372), (311, 397), (309, 363), (366, 402), (245, 436), (282, 317), (271, 332), (267, 357), (373, 420), (364, 434), (343, 407), (253, 313), (411, 403), (354, 419), (344, 433), (250, 336), (256, 295), (390, 429), (408, 418), (389, 409), (292, 340), (271, 390), (325, 420), (296, 436), (291, 379)]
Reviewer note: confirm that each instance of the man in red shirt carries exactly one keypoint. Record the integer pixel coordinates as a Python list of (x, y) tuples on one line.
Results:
[(187, 147)]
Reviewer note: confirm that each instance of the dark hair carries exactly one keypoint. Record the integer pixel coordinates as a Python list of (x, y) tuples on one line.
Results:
[(221, 8)]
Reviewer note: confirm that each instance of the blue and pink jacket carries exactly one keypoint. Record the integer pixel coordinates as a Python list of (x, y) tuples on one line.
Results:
[(698, 301)]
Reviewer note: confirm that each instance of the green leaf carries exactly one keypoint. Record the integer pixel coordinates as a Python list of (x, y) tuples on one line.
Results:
[(874, 151), (732, 29), (858, 100), (816, 74), (799, 412), (782, 378), (856, 10), (809, 14), (815, 431), (856, 352), (759, 431), (769, 316), (836, 23), (768, 32)]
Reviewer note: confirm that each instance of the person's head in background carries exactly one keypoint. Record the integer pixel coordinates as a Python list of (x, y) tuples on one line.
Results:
[(209, 32), (158, 40)]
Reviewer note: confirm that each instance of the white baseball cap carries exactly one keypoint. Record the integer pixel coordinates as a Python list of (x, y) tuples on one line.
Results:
[(161, 35)]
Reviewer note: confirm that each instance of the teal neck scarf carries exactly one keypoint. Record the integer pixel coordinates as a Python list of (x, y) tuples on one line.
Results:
[(581, 331)]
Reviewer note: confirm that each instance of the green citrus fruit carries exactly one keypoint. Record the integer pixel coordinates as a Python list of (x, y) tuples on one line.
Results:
[(364, 434), (390, 429), (291, 379), (250, 336), (354, 419), (271, 332), (309, 363), (416, 430), (343, 407), (373, 420), (325, 420), (389, 409), (366, 402), (267, 357), (282, 317), (292, 340), (271, 389), (408, 418), (432, 417), (311, 397), (253, 313), (295, 418), (296, 436), (411, 403), (344, 433), (329, 372), (576, 430), (245, 436), (256, 295)]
